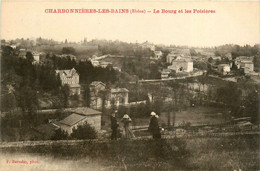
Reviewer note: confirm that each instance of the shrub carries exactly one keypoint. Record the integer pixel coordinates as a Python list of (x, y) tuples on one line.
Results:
[(60, 135), (84, 132)]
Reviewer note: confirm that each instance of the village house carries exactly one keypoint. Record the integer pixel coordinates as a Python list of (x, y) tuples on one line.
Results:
[(79, 116), (105, 64), (170, 57), (158, 54), (147, 45), (245, 63), (224, 69), (36, 57), (180, 51), (13, 46), (71, 78), (96, 89), (248, 67), (181, 64), (119, 96), (95, 63), (70, 56), (216, 58), (22, 53), (99, 94), (178, 54), (240, 60), (117, 68)]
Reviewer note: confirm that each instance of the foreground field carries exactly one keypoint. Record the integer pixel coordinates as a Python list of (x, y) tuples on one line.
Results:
[(216, 153)]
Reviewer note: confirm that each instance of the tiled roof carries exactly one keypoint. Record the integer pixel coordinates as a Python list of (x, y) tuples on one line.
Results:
[(68, 73), (118, 90), (72, 119), (95, 83), (85, 111), (56, 123)]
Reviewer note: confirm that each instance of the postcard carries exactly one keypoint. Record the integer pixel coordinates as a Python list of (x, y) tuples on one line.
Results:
[(129, 85)]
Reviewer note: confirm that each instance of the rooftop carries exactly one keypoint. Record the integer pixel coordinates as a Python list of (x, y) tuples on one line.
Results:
[(85, 111), (96, 83), (72, 119), (68, 73), (118, 90)]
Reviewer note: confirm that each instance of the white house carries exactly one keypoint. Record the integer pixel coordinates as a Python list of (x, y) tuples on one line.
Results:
[(99, 94), (224, 69), (95, 63), (71, 78), (181, 64), (248, 67), (240, 60), (36, 57), (158, 54)]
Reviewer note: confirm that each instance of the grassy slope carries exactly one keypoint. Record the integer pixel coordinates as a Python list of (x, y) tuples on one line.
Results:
[(229, 153)]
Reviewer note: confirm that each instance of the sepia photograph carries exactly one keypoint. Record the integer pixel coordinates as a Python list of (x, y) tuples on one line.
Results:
[(129, 85)]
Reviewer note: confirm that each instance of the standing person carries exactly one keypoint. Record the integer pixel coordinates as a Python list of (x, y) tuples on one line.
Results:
[(157, 131), (154, 126), (127, 130), (114, 126)]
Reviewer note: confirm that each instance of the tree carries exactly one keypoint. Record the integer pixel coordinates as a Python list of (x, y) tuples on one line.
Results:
[(29, 57), (256, 62), (252, 106), (65, 92), (27, 99), (68, 50)]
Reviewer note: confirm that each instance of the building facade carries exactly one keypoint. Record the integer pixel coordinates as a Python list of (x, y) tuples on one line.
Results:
[(181, 65), (158, 54), (99, 94), (70, 78), (224, 69), (96, 89)]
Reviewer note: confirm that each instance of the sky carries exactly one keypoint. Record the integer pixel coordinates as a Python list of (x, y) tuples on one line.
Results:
[(232, 22)]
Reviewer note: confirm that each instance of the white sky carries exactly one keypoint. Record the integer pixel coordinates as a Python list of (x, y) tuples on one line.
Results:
[(233, 22)]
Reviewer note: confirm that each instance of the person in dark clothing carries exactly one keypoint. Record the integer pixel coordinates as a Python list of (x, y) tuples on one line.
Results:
[(154, 126), (114, 126)]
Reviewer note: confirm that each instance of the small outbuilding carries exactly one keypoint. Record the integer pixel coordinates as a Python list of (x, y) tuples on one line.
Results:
[(80, 116)]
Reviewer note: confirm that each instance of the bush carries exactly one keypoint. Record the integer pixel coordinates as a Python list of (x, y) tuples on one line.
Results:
[(84, 132), (60, 135)]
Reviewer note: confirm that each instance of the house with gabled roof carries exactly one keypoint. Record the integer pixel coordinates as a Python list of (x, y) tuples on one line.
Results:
[(158, 54), (80, 116), (71, 78), (119, 96), (181, 64), (96, 88), (99, 94)]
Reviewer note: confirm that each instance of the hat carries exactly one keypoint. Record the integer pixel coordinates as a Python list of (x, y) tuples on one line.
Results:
[(153, 113), (126, 116), (156, 116)]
